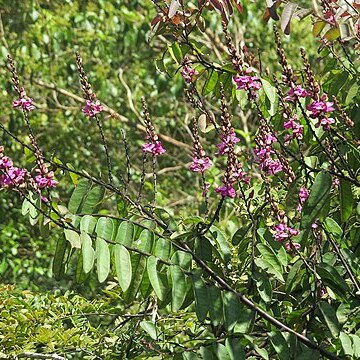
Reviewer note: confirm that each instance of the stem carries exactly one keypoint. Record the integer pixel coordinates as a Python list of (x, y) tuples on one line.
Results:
[(105, 148)]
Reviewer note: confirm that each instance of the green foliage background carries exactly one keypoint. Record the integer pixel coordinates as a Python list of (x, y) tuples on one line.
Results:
[(86, 319)]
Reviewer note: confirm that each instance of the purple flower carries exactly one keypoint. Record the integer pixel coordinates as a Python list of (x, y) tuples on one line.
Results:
[(247, 82), (188, 73), (226, 191), (271, 166), (200, 164), (283, 232), (320, 107), (303, 194), (153, 147), (91, 108), (5, 162), (24, 103), (297, 91), (325, 122), (292, 246), (46, 181), (13, 176), (227, 141)]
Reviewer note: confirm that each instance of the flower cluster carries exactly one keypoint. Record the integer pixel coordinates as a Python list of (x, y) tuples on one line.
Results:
[(320, 110), (296, 92), (188, 72), (24, 103), (297, 129), (152, 144), (303, 195), (92, 108), (154, 147), (249, 83), (14, 177), (228, 140), (264, 152), (200, 162), (234, 171), (11, 176), (45, 180), (284, 232)]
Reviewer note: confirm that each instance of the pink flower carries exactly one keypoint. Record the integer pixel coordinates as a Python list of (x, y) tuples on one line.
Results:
[(271, 166), (188, 73), (303, 195), (247, 82), (325, 123), (226, 191), (154, 147), (24, 103), (12, 177), (297, 91), (200, 164), (46, 180), (91, 108), (292, 246), (282, 232), (227, 142), (5, 162), (318, 107)]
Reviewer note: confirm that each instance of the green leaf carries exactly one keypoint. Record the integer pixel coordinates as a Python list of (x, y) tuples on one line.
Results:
[(201, 296), (73, 238), (356, 345), (269, 261), (125, 233), (333, 227), (203, 248), (88, 253), (294, 277), (328, 313), (25, 208), (280, 345), (231, 309), (157, 281), (240, 235), (346, 200), (179, 287), (93, 200), (270, 90), (223, 246), (235, 349), (105, 228), (175, 52), (215, 305), (346, 344), (206, 354), (317, 27), (318, 198), (182, 259), (162, 248), (332, 278), (332, 34), (150, 328), (222, 352), (88, 224), (102, 259), (78, 195), (210, 82), (263, 285), (122, 266), (58, 267)]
